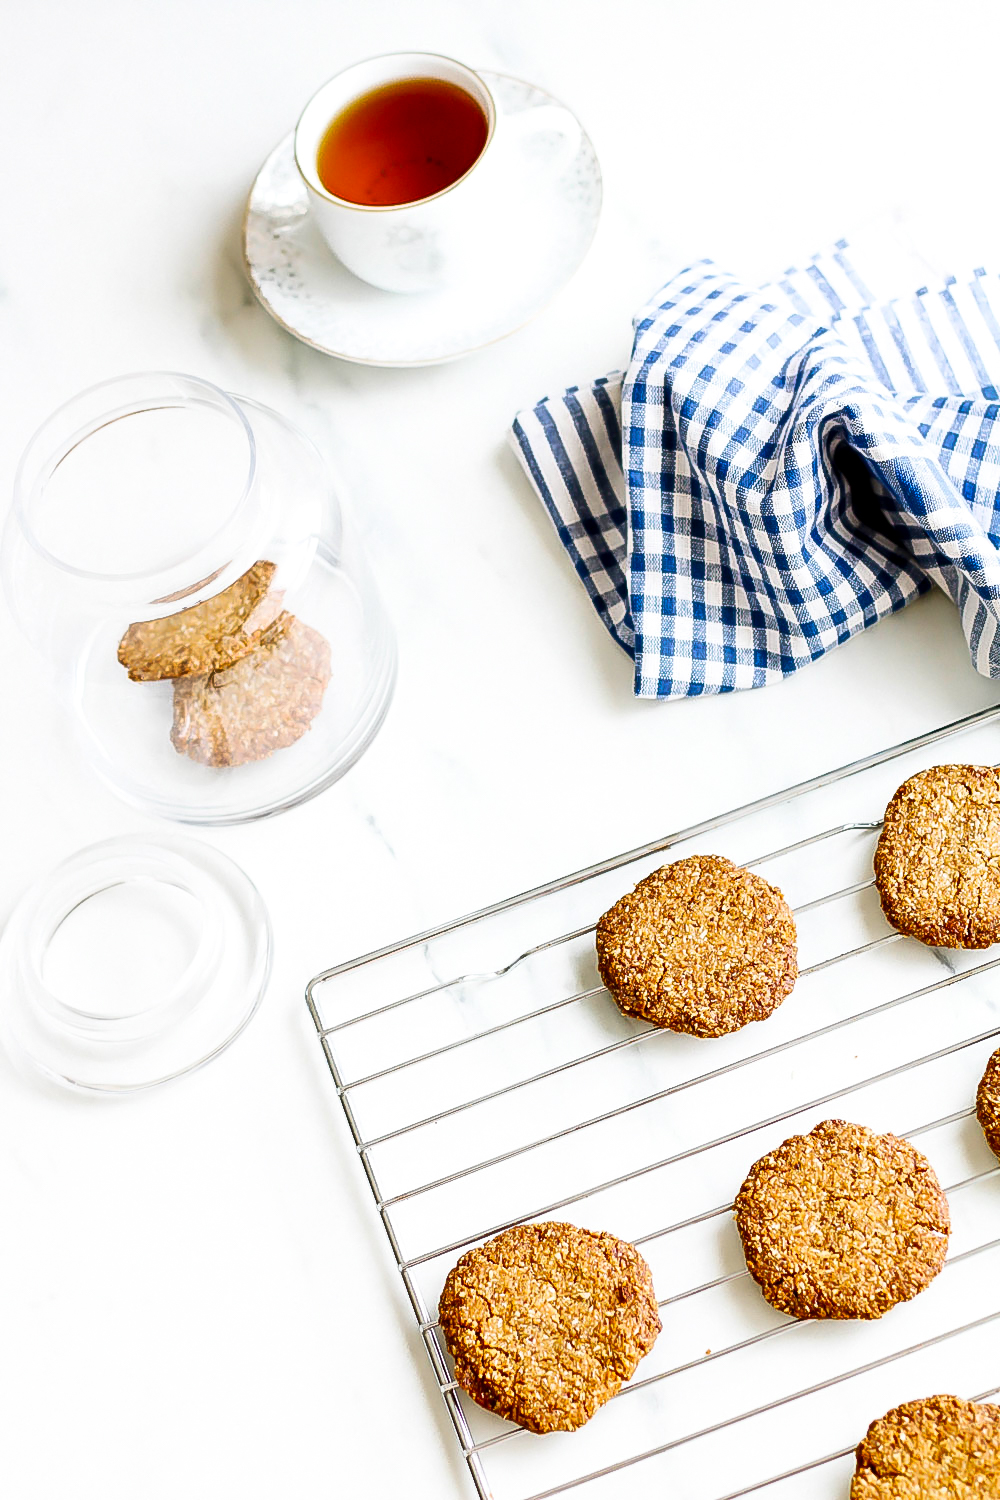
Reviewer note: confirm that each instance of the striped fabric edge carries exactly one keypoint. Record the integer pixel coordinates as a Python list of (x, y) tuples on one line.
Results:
[(570, 450)]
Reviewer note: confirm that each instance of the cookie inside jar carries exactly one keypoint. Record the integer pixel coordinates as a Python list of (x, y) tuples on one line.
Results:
[(248, 676)]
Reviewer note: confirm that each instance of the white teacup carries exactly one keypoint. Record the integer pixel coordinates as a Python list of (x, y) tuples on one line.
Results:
[(431, 243)]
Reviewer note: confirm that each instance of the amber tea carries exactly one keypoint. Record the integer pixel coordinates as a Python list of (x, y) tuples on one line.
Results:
[(401, 142)]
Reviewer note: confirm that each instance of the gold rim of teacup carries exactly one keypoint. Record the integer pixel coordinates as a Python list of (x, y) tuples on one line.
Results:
[(311, 177)]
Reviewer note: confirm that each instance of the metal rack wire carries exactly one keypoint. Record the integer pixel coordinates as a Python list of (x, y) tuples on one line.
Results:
[(624, 1117)]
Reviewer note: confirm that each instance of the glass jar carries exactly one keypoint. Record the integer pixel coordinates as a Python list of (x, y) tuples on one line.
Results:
[(178, 556)]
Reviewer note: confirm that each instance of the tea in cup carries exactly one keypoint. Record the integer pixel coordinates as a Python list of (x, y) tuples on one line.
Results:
[(400, 156)]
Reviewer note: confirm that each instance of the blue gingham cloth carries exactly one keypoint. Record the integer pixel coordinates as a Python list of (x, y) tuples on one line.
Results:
[(778, 468)]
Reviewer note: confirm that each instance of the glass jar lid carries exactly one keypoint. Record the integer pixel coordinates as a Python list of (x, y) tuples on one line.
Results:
[(136, 960)]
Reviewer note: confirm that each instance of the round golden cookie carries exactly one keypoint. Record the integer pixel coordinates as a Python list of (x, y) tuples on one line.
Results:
[(702, 946), (546, 1321), (937, 862), (988, 1103), (842, 1223), (941, 1448)]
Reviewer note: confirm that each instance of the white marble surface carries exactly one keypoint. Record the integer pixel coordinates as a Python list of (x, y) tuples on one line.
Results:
[(197, 1297)]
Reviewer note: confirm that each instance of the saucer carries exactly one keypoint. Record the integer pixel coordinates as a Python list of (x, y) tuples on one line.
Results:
[(553, 211)]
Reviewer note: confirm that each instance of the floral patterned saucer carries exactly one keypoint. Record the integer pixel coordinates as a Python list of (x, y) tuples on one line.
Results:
[(544, 232)]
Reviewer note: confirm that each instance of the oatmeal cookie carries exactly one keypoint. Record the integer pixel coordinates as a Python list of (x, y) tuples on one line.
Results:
[(937, 863), (546, 1321), (701, 946), (941, 1448), (266, 701), (842, 1223), (988, 1103), (208, 637)]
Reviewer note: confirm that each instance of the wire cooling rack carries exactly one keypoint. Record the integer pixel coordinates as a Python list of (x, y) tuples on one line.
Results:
[(488, 1079)]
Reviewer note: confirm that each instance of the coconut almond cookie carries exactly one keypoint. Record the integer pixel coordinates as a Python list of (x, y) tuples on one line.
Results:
[(267, 700), (842, 1223), (988, 1103), (937, 863), (208, 637), (545, 1322), (701, 945), (941, 1448)]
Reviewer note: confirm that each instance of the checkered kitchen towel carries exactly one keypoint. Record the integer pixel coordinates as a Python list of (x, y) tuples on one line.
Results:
[(779, 467)]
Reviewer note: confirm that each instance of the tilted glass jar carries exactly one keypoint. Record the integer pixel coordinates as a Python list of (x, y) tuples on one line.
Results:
[(178, 556)]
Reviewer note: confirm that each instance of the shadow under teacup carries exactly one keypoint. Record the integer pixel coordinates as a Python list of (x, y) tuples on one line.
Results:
[(412, 123)]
